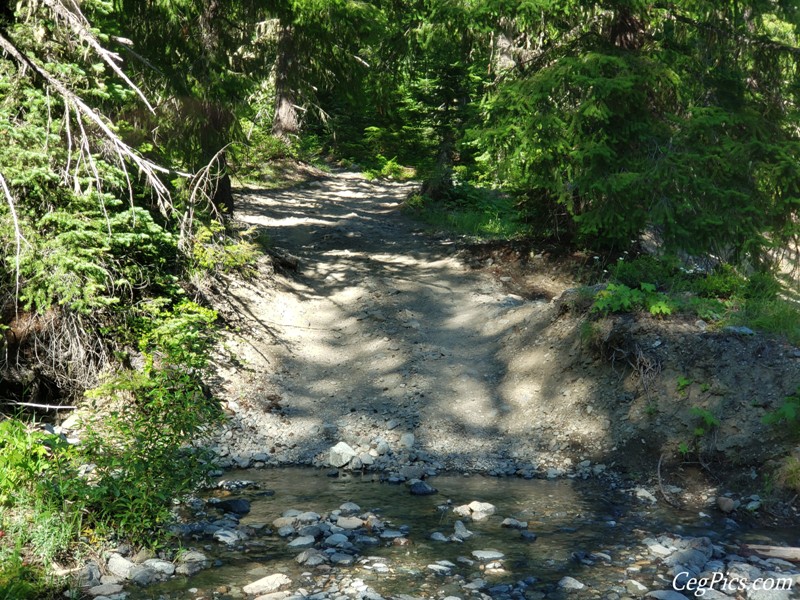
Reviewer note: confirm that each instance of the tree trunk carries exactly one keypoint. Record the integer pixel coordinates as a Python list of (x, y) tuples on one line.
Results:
[(439, 186), (286, 122)]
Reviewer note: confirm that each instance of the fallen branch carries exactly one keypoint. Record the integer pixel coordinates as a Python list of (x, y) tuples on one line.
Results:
[(44, 406), (782, 552)]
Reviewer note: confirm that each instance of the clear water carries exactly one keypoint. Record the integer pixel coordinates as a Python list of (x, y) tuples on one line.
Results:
[(568, 516)]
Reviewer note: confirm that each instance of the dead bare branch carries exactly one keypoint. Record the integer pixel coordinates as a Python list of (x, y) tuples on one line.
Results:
[(44, 406), (18, 238), (146, 167)]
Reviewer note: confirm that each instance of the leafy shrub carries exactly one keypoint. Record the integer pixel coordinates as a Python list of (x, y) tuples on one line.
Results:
[(18, 581), (621, 298), (787, 414), (723, 282), (23, 458), (707, 418), (215, 251), (141, 452), (471, 210), (389, 169), (761, 286), (34, 465), (661, 271)]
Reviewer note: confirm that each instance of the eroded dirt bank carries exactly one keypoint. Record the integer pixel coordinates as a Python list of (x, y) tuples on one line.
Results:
[(383, 330)]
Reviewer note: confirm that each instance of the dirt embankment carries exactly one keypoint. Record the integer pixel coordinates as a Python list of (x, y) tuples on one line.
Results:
[(482, 353)]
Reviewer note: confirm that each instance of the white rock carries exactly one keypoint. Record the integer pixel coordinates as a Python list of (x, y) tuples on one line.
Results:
[(486, 555), (107, 589), (407, 440), (268, 584), (119, 566), (570, 583), (341, 454), (274, 596), (349, 522), (160, 566), (481, 510)]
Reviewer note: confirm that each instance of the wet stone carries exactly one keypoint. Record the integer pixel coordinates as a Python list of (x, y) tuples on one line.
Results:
[(340, 558), (311, 557), (336, 539), (142, 575), (239, 506), (461, 531), (303, 541), (229, 537), (314, 531), (514, 524), (349, 508), (390, 534), (422, 488), (666, 595), (284, 521), (439, 569), (268, 584), (570, 583), (487, 555), (308, 517)]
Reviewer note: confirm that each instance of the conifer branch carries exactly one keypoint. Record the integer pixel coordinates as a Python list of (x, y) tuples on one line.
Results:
[(146, 167), (78, 24)]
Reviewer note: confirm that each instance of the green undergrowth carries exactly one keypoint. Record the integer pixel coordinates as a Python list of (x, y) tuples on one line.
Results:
[(133, 457), (721, 297), (470, 210), (388, 168)]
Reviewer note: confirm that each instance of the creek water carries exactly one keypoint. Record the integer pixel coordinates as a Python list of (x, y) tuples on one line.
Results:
[(572, 518)]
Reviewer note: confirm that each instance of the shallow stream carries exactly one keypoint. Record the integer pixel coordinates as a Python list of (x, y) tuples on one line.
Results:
[(584, 530)]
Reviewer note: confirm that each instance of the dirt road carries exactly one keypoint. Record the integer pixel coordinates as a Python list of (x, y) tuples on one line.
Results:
[(383, 330)]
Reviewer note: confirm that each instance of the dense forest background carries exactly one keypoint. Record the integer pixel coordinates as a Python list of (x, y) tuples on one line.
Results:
[(592, 125)]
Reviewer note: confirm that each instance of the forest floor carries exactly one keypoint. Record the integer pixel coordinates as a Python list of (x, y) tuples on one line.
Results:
[(367, 328)]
